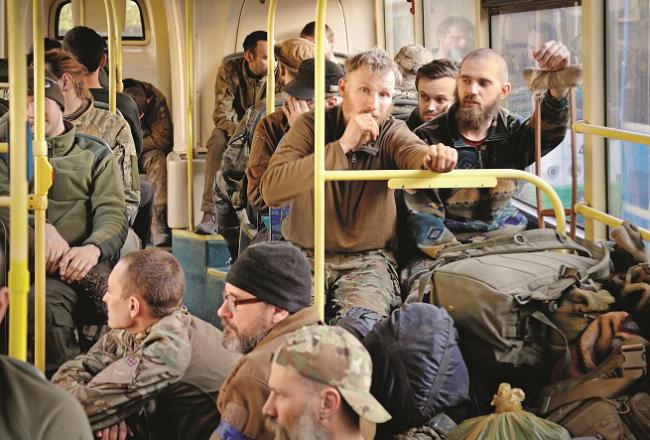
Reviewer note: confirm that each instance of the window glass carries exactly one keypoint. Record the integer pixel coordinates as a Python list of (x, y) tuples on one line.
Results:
[(64, 20), (398, 25), (628, 108), (515, 36), (133, 26), (450, 27)]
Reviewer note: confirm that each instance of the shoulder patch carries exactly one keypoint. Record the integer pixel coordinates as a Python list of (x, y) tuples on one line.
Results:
[(235, 415), (225, 431)]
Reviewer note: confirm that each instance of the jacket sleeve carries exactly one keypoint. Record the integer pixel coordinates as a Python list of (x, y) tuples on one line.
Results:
[(258, 161), (224, 115), (160, 133), (112, 387), (241, 409), (127, 160), (291, 169), (109, 223), (555, 123), (406, 149)]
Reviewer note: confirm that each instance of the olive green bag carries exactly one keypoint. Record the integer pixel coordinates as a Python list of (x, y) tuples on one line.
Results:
[(610, 402), (501, 292)]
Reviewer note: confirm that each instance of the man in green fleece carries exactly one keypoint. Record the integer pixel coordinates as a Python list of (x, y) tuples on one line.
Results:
[(86, 222)]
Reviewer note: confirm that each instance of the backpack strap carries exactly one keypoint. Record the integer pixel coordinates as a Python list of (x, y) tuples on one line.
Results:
[(633, 368)]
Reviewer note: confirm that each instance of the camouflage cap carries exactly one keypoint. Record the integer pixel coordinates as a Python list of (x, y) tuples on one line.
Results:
[(294, 51), (332, 356), (411, 58)]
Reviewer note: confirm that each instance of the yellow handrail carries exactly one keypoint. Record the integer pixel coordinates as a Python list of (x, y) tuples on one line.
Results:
[(583, 209), (611, 133), (270, 51), (112, 103), (189, 149), (4, 147), (42, 182), (319, 160), (4, 85), (18, 268), (117, 61)]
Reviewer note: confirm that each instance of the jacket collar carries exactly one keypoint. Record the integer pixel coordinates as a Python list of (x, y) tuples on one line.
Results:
[(306, 316), (62, 144)]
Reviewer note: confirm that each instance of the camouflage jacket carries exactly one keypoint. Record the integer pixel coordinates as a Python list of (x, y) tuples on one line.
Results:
[(157, 127), (123, 371), (113, 129), (235, 90), (86, 200)]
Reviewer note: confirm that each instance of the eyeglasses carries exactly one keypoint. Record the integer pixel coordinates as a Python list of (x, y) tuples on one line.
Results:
[(232, 303)]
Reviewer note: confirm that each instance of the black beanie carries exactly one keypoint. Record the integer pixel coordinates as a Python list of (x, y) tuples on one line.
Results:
[(276, 272)]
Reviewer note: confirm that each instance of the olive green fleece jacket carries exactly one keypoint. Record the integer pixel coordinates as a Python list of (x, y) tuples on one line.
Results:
[(86, 201)]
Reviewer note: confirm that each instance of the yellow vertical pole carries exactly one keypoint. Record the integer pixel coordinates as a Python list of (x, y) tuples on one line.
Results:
[(42, 182), (116, 61), (595, 178), (319, 161), (270, 73), (189, 73), (82, 13), (112, 103), (18, 269)]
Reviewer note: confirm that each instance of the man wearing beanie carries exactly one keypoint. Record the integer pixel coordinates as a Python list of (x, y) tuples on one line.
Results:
[(320, 386), (86, 222), (266, 297), (273, 127)]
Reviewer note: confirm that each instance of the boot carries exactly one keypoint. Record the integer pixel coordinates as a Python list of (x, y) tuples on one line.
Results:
[(208, 225), (162, 235)]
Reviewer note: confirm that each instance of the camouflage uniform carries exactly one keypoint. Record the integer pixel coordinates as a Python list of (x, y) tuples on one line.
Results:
[(178, 362), (244, 392), (235, 90), (112, 129), (332, 356), (157, 138), (409, 59)]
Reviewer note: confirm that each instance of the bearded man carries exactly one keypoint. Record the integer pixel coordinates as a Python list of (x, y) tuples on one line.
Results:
[(266, 297)]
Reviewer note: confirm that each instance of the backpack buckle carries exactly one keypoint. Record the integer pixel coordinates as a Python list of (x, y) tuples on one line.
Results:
[(634, 361)]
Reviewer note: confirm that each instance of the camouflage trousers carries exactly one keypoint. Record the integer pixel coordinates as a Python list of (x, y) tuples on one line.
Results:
[(415, 275), (216, 145), (360, 279), (67, 309), (154, 164)]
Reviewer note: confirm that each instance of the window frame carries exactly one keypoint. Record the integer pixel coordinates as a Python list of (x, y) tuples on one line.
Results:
[(126, 40)]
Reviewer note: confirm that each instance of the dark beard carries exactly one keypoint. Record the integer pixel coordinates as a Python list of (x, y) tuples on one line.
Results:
[(475, 118)]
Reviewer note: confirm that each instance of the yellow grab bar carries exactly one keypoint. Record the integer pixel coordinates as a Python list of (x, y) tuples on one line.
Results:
[(270, 51), (319, 161), (42, 183), (189, 148), (4, 85), (583, 209), (18, 242), (611, 133), (112, 103), (4, 147), (117, 61)]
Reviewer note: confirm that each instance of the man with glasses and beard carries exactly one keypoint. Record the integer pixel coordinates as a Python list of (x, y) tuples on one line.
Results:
[(320, 386), (267, 296), (485, 136)]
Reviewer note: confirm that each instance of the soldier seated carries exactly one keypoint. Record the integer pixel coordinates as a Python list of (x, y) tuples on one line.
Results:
[(86, 223), (155, 351)]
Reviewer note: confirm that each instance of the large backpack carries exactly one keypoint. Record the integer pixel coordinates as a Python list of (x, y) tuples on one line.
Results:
[(501, 292), (610, 402), (418, 369)]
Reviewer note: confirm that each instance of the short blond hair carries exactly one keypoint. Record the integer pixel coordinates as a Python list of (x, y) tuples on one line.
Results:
[(376, 60)]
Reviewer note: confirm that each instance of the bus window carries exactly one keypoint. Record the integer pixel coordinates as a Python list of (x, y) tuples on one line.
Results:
[(450, 28), (398, 23), (134, 28), (515, 36), (628, 108)]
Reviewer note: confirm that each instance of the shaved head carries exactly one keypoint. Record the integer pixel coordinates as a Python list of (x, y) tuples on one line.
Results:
[(491, 56)]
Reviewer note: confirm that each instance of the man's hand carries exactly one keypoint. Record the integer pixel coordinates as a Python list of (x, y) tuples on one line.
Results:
[(76, 263), (55, 248), (293, 108), (552, 56), (115, 432), (440, 158), (361, 130)]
